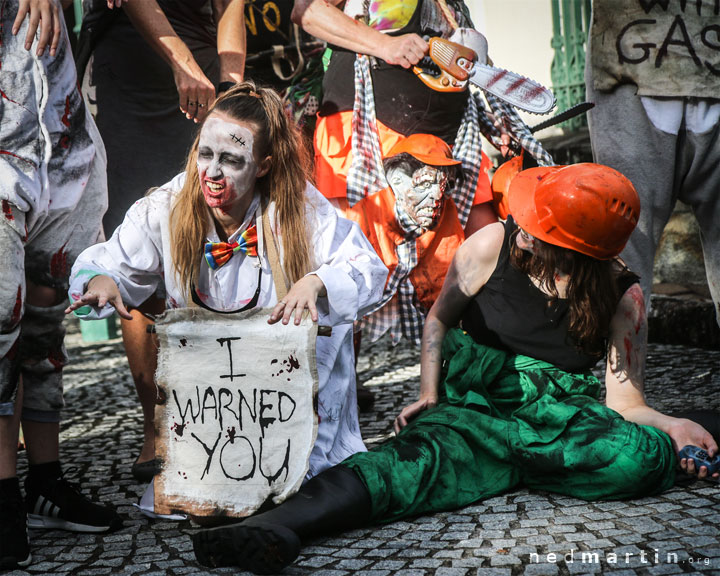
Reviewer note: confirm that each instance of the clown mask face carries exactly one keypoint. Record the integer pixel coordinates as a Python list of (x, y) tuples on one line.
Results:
[(419, 195), (227, 165)]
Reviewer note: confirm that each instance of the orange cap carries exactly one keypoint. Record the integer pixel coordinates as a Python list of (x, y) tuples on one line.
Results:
[(501, 183), (589, 208), (427, 148)]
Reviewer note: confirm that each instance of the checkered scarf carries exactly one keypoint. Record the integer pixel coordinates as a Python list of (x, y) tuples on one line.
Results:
[(404, 315), (365, 175), (467, 149)]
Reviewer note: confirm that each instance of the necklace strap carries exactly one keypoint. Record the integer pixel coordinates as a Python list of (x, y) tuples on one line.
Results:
[(278, 275), (253, 302)]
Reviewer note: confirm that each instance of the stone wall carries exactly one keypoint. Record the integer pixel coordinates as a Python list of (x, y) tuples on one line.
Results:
[(679, 258), (682, 311)]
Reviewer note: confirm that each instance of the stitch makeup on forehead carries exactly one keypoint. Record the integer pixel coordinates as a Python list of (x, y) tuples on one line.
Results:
[(237, 139), (226, 165)]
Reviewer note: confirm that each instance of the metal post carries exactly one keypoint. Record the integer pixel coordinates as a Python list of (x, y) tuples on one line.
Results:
[(571, 20), (78, 7)]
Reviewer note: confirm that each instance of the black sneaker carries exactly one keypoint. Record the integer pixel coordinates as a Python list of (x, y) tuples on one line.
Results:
[(145, 471), (14, 546), (57, 503), (365, 399)]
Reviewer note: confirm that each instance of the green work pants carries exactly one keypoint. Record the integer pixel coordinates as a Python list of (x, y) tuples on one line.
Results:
[(505, 421)]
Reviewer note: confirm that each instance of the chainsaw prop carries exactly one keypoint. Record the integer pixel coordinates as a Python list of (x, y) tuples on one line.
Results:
[(450, 65)]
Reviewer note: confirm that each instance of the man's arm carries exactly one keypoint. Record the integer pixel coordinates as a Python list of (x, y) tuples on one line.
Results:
[(196, 92), (231, 46), (323, 19)]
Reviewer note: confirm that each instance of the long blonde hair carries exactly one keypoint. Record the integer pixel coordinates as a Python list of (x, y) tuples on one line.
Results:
[(284, 184)]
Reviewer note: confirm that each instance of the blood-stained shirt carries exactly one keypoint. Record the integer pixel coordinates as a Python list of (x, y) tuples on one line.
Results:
[(49, 143)]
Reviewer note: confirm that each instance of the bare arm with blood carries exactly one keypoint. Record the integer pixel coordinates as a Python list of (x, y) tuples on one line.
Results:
[(471, 267), (625, 375)]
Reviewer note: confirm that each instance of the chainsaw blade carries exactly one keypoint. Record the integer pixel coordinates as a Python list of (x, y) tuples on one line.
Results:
[(515, 89)]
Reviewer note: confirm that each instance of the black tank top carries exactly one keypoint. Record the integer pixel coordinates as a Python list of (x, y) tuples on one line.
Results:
[(511, 313)]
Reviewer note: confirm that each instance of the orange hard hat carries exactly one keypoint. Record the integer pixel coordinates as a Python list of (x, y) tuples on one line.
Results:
[(501, 183), (589, 208), (427, 148)]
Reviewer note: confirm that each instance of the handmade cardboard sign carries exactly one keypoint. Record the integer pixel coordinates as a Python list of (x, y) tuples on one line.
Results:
[(239, 421), (666, 47)]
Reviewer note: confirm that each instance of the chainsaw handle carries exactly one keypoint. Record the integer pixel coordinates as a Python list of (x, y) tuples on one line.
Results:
[(442, 82), (454, 61)]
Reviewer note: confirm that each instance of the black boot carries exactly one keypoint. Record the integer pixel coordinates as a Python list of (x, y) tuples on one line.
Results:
[(14, 545), (365, 398), (333, 501)]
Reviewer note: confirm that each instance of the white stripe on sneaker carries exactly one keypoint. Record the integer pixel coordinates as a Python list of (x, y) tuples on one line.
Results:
[(45, 522), (37, 509), (46, 507)]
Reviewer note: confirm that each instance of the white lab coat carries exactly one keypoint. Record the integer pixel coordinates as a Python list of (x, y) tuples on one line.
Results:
[(138, 258)]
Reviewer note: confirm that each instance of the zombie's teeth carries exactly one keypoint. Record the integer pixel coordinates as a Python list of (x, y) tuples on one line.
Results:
[(215, 187)]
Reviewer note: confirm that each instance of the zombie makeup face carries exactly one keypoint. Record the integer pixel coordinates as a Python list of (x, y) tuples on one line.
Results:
[(525, 241), (419, 195), (226, 164)]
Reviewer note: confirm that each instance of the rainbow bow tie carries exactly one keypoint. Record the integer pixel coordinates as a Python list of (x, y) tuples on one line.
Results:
[(218, 253)]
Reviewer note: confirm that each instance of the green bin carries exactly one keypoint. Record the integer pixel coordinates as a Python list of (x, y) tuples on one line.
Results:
[(99, 330)]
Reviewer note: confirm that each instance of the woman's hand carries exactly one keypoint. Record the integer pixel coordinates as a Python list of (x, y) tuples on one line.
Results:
[(101, 290), (303, 295), (685, 432), (195, 90), (413, 411), (46, 15)]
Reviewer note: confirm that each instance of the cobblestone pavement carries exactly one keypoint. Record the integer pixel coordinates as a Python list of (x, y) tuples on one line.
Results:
[(523, 532)]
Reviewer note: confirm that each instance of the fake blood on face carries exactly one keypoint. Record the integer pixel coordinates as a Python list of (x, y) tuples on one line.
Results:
[(227, 167)]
